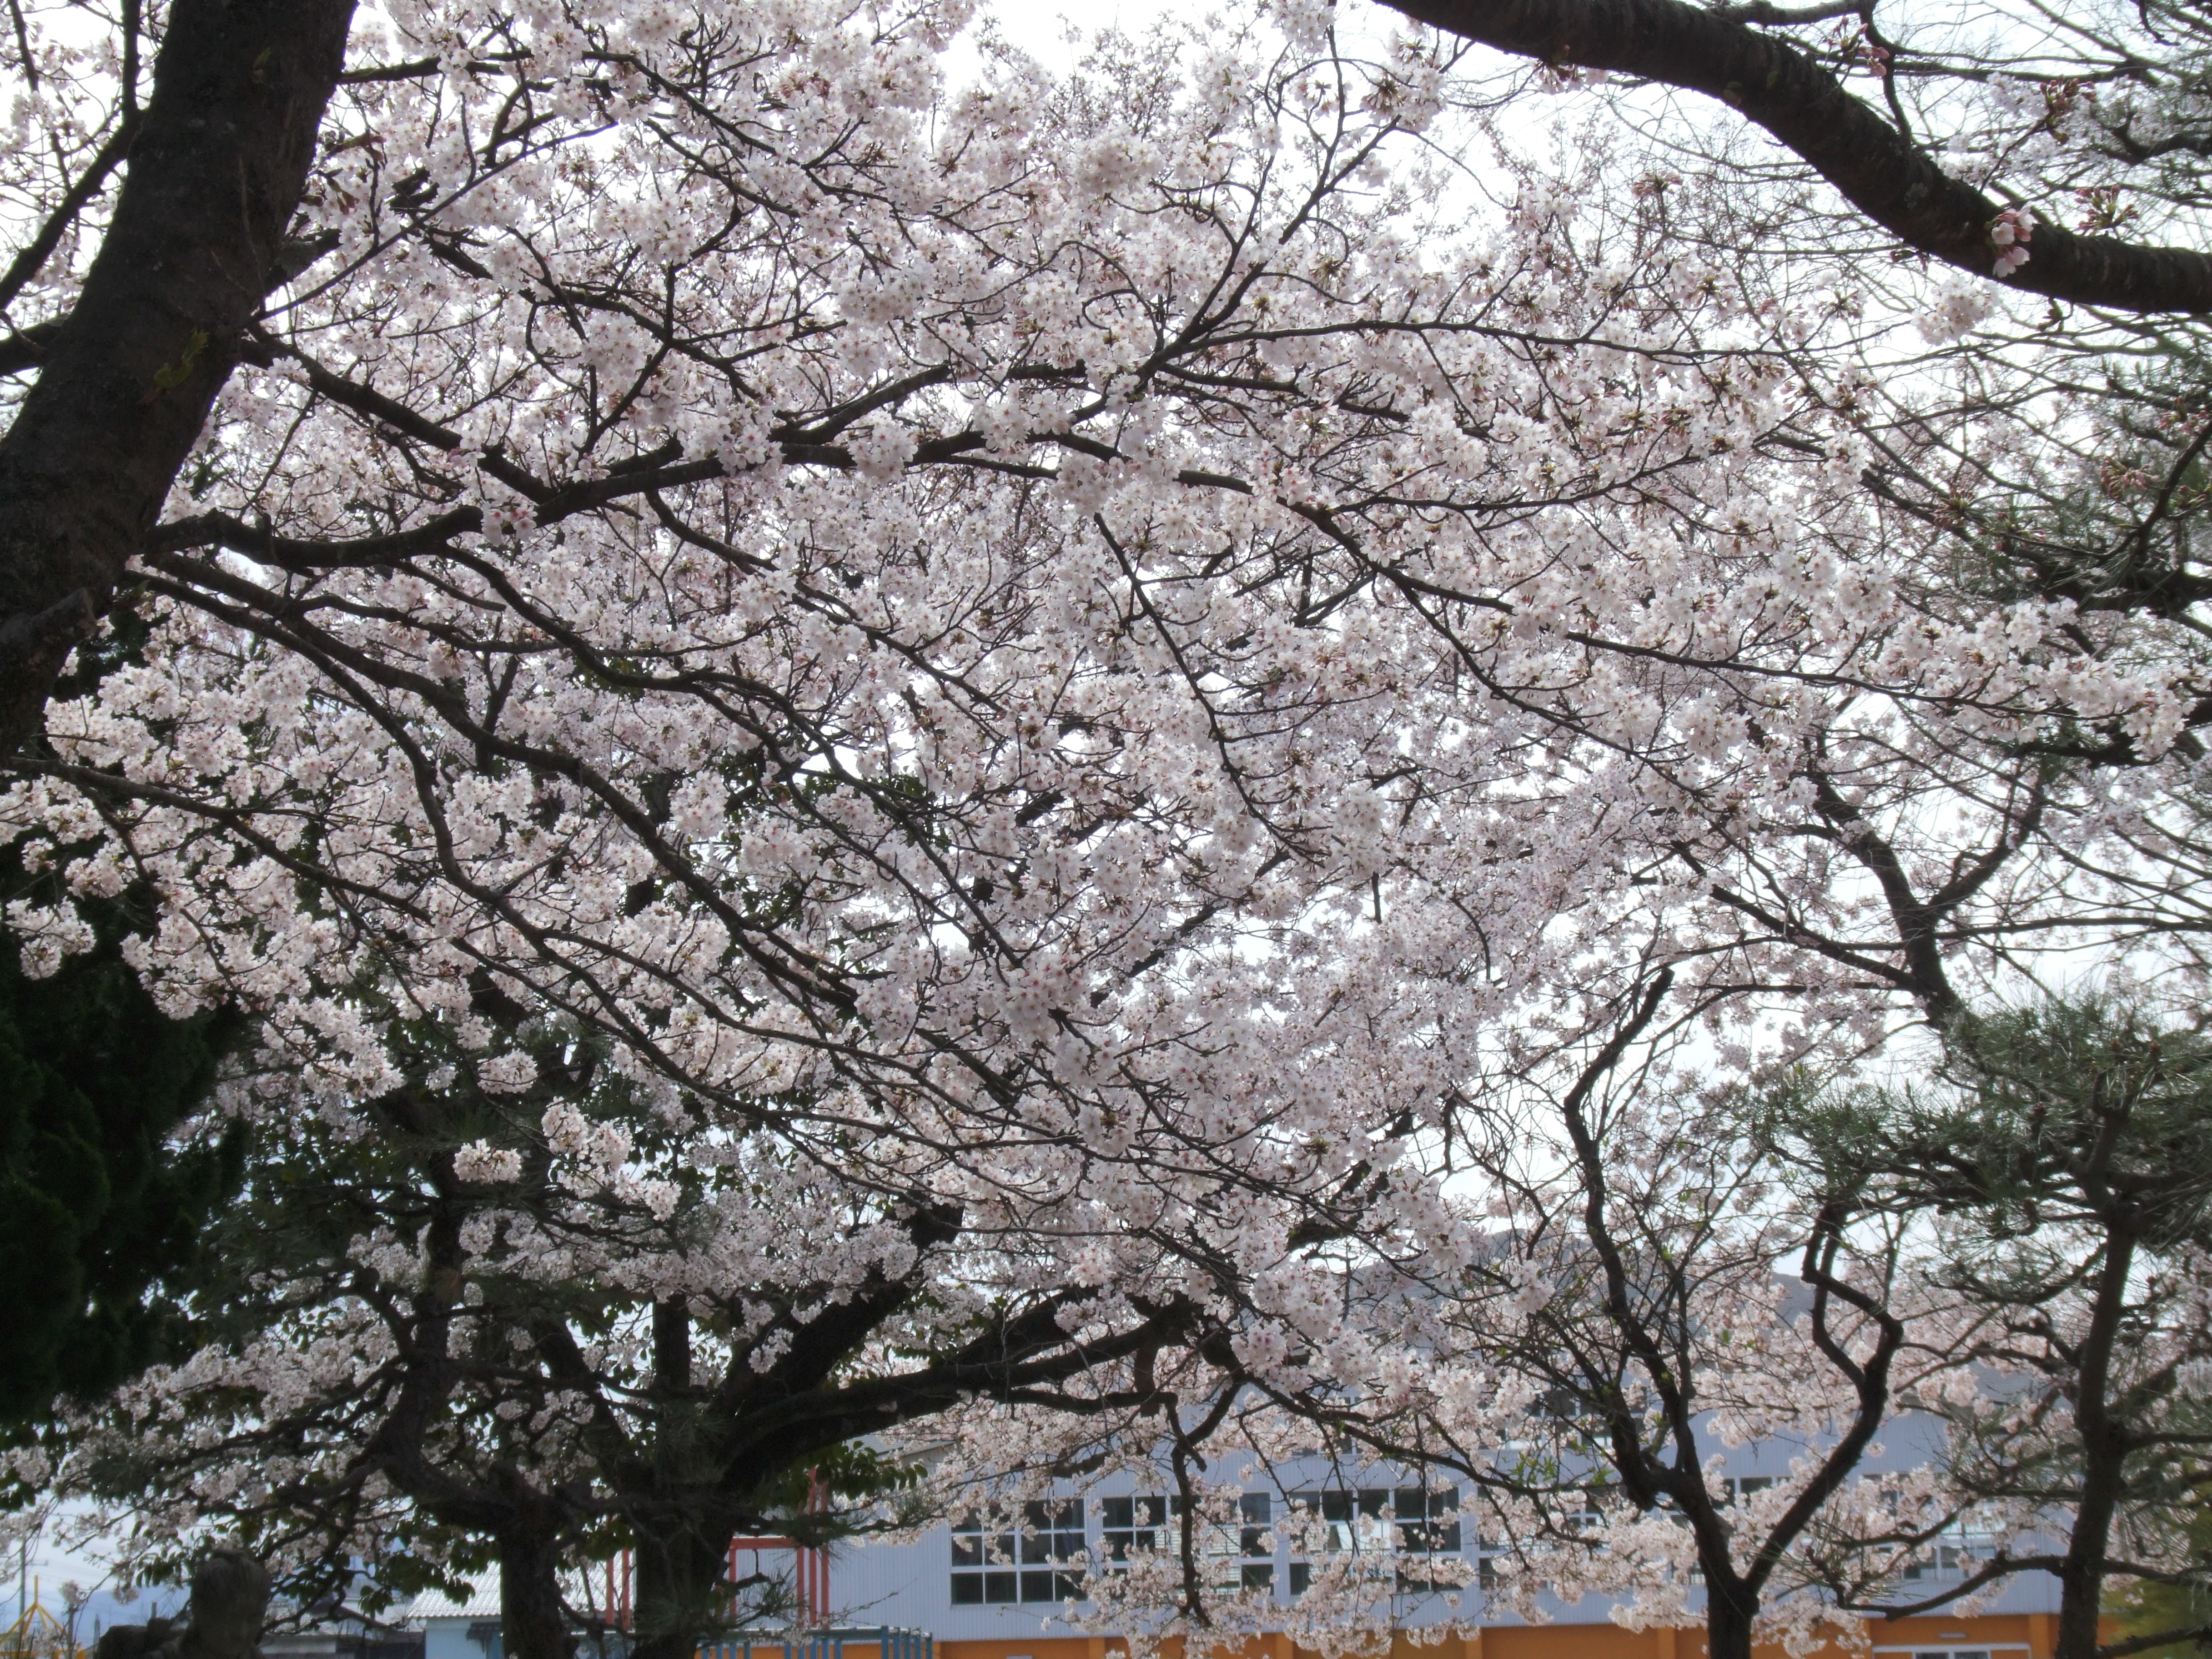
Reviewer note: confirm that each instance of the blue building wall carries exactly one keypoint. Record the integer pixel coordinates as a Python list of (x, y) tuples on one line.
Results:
[(912, 1584)]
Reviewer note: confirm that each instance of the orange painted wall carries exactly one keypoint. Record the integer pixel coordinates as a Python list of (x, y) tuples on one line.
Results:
[(2027, 1635)]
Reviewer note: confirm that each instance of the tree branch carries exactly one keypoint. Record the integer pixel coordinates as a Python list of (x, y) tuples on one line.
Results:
[(1806, 109), (27, 263), (217, 164)]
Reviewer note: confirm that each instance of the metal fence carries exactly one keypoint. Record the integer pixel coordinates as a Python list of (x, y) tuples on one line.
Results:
[(889, 1643)]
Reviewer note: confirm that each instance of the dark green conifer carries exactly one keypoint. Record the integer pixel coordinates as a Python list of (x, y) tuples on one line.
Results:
[(100, 1215)]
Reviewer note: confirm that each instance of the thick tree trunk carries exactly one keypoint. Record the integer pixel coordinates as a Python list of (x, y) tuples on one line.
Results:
[(230, 1602), (2080, 1598), (1729, 1610), (531, 1625), (2104, 1454), (215, 176), (681, 1558), (681, 1597)]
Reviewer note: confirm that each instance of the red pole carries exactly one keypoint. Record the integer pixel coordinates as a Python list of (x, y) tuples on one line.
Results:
[(815, 1562)]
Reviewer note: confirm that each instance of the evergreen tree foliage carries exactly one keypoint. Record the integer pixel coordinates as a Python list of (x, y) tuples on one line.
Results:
[(100, 1215), (2063, 1165), (2146, 1609)]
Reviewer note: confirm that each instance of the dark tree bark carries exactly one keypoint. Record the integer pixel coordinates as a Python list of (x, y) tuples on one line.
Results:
[(1730, 1611), (230, 1602), (1856, 149), (684, 1532), (2105, 1447), (717, 1448), (217, 165), (532, 1625), (682, 1573)]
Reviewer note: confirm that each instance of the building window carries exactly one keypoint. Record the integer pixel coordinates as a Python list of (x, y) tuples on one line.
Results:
[(1588, 1518), (1244, 1556), (1130, 1524), (1428, 1535), (1238, 1556), (1940, 1564), (1351, 1520), (1428, 1522), (996, 1561), (1348, 1519)]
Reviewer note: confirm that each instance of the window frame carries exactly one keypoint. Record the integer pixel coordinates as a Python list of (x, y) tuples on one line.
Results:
[(1238, 1554), (1002, 1560)]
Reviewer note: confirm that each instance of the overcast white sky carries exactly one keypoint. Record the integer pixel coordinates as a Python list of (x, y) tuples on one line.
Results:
[(1040, 29)]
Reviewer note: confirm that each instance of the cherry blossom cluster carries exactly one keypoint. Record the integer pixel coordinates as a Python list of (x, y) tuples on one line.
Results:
[(1089, 651)]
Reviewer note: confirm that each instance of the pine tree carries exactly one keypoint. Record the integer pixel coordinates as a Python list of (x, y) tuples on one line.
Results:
[(101, 1216)]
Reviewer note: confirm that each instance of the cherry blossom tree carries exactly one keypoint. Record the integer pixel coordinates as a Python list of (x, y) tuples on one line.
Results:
[(1088, 654), (502, 1328), (1642, 1289)]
